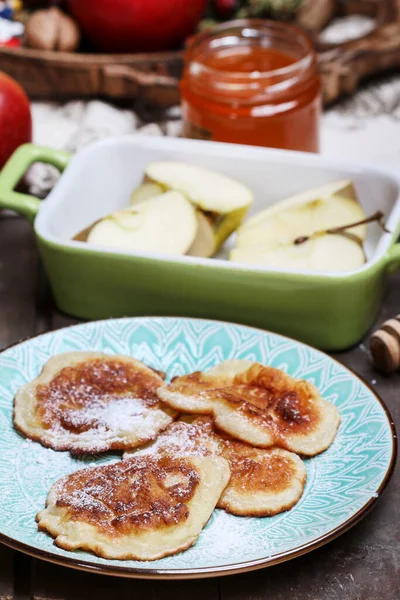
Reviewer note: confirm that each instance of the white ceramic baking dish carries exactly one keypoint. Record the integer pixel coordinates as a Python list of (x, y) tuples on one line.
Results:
[(332, 311)]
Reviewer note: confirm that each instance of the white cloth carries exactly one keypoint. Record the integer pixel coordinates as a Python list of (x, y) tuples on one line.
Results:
[(75, 124), (366, 128)]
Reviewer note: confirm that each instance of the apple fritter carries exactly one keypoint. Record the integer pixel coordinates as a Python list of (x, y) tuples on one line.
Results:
[(139, 509), (261, 406), (191, 436), (264, 482), (87, 402)]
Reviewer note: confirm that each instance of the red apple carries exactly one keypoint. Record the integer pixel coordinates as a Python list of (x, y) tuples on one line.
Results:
[(226, 8), (137, 25), (15, 117)]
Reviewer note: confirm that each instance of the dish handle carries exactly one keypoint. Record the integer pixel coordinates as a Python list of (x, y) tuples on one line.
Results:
[(16, 168), (393, 258)]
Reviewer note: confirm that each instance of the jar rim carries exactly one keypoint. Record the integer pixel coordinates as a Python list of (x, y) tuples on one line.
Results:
[(287, 73)]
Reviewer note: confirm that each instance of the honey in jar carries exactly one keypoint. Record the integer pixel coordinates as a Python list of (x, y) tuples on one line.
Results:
[(252, 82)]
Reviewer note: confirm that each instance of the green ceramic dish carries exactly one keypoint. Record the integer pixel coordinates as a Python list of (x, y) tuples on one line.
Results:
[(343, 483), (329, 311)]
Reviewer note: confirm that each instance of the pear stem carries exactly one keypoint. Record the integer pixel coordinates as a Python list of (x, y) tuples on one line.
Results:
[(377, 217)]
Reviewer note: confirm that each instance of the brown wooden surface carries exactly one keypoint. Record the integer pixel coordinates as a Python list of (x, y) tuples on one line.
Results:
[(152, 79), (44, 74), (363, 564)]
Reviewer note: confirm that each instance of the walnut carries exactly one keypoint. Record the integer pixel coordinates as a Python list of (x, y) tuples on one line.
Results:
[(51, 29)]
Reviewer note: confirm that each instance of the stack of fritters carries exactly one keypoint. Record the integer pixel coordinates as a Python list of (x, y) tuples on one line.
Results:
[(238, 455)]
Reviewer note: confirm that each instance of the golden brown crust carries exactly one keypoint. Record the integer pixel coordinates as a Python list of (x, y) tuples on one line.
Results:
[(68, 397), (144, 493), (139, 509), (248, 472), (261, 474), (88, 403), (259, 405), (265, 394), (277, 401), (263, 482)]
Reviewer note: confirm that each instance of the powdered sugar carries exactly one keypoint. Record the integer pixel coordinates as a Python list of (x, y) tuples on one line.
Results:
[(184, 439), (116, 415), (93, 403)]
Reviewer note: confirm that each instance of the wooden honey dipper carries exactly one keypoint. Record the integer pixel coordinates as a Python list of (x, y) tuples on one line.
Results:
[(385, 346)]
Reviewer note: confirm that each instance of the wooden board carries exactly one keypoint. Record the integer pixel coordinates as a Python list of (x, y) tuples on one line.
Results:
[(153, 79), (18, 280), (50, 579)]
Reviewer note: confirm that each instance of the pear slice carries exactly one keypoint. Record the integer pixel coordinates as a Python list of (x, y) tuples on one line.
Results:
[(330, 206), (207, 189), (146, 191), (166, 224), (324, 253)]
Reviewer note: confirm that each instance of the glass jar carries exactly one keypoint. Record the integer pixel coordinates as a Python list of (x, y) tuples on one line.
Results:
[(252, 82)]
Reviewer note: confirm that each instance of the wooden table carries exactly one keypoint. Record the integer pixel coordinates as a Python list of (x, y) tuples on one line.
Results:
[(363, 564)]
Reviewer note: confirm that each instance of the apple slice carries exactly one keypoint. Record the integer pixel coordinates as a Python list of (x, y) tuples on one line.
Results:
[(330, 206), (223, 200), (207, 189), (204, 244), (146, 191), (166, 224), (323, 253), (213, 230)]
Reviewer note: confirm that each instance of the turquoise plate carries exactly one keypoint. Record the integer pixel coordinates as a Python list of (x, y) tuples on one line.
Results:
[(343, 483)]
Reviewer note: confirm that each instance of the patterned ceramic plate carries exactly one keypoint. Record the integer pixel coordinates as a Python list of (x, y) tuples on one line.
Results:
[(343, 482)]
